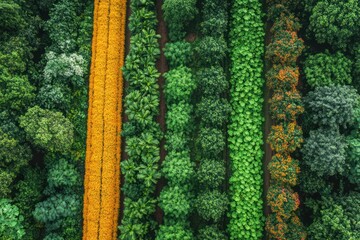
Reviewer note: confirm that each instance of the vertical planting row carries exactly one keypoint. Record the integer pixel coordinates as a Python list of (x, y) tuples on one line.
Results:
[(245, 127), (212, 110), (178, 169), (285, 134), (142, 132)]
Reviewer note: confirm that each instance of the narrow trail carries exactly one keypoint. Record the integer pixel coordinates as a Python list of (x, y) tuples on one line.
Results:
[(162, 67), (103, 146)]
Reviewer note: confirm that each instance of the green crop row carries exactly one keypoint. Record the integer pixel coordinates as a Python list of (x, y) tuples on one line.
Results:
[(245, 128), (142, 133)]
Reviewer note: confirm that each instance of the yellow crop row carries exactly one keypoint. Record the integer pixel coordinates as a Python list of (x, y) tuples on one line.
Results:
[(102, 166)]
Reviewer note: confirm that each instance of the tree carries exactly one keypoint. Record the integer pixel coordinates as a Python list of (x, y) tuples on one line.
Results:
[(10, 221)]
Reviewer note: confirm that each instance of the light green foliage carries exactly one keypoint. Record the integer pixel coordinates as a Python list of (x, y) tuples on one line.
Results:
[(47, 129), (178, 169), (10, 221), (211, 173), (335, 22), (178, 13), (178, 53), (211, 233), (179, 85), (179, 118), (174, 232), (245, 128), (332, 106), (324, 152), (174, 201), (211, 205), (325, 69)]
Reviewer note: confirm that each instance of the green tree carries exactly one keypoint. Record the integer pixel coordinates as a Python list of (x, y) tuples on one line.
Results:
[(11, 221)]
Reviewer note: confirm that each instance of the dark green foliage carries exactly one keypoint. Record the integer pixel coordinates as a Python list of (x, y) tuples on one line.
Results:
[(11, 221), (311, 183), (211, 174), (335, 22), (212, 81), (47, 130), (211, 205), (211, 233), (63, 174), (178, 53), (10, 16), (210, 50), (324, 152), (332, 106), (336, 218), (174, 232), (211, 141), (213, 111), (178, 169), (179, 84), (177, 14), (353, 158), (214, 18), (325, 69)]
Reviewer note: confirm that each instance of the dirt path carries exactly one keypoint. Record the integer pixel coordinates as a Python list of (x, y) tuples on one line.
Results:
[(162, 67)]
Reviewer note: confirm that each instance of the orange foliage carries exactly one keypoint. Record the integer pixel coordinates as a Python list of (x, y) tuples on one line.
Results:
[(284, 169), (102, 166)]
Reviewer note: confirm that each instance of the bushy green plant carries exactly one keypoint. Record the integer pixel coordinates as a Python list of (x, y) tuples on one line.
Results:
[(353, 156), (174, 201), (211, 233), (174, 232), (178, 13), (324, 152), (63, 174), (214, 18), (211, 141), (179, 84), (335, 22), (11, 221), (213, 111), (210, 50), (178, 168), (332, 106), (211, 174), (179, 117), (211, 81), (211, 205), (178, 53), (325, 69), (311, 183), (47, 129)]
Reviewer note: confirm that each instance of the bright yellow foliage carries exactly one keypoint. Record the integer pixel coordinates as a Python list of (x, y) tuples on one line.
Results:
[(103, 145)]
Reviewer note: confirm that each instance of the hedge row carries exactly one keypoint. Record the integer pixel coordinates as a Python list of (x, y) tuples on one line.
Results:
[(245, 128), (176, 198), (285, 136), (142, 133), (211, 111)]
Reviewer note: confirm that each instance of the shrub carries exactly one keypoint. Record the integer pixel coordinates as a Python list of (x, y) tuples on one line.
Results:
[(211, 233), (174, 201), (353, 156), (174, 232), (179, 84), (210, 50), (212, 81), (179, 117), (11, 221), (335, 22), (282, 200), (324, 152), (283, 168), (282, 77), (211, 141), (48, 130), (285, 138), (213, 111), (332, 106), (210, 174), (178, 13), (178, 168), (63, 174), (211, 205), (178, 53), (325, 69), (286, 106)]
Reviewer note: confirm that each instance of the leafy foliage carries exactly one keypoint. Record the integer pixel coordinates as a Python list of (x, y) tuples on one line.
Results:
[(174, 232), (325, 69), (335, 22), (211, 173), (332, 106), (211, 205), (48, 130), (11, 221), (211, 233), (178, 53)]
